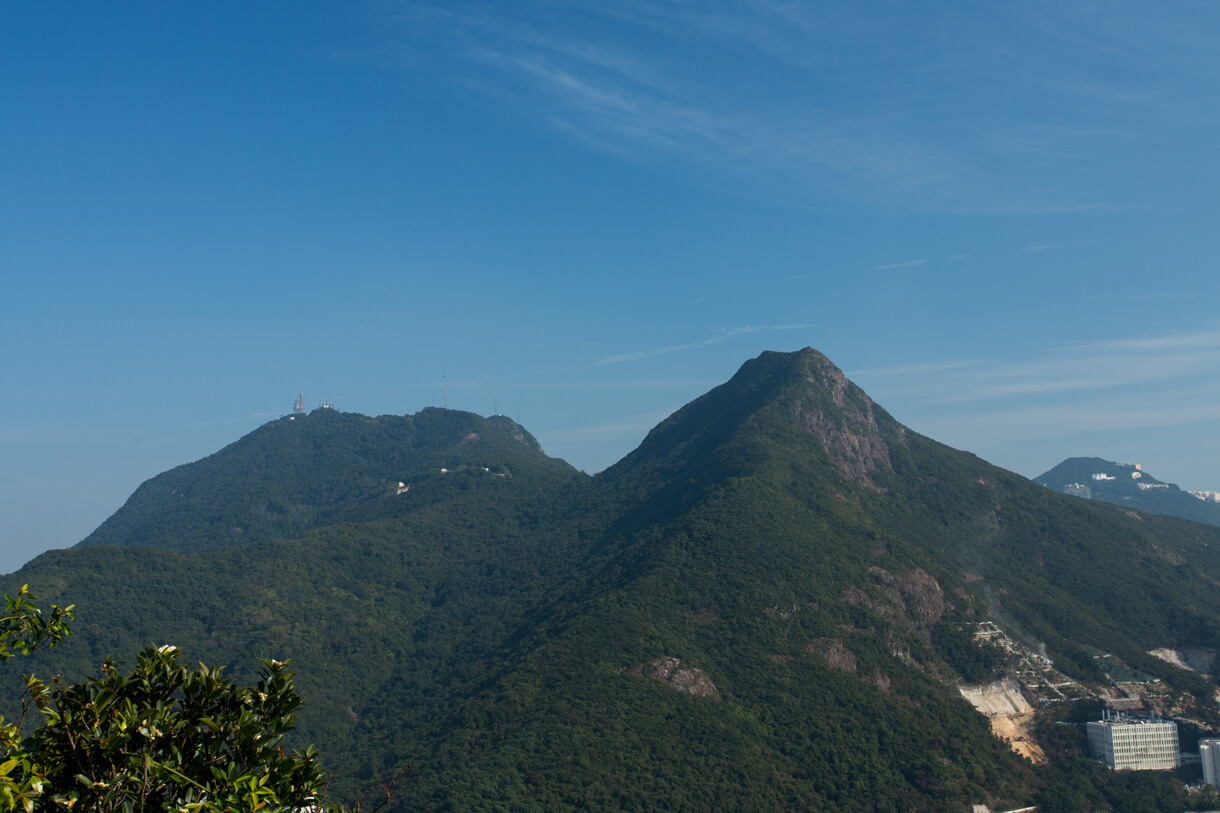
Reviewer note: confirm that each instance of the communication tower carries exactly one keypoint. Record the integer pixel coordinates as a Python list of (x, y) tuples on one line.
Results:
[(298, 408)]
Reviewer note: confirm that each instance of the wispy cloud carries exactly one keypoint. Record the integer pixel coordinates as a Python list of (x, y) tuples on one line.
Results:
[(905, 264), (656, 351), (1149, 296), (1037, 247), (919, 368), (1118, 369), (1063, 422), (586, 384), (628, 427), (1204, 339), (847, 103), (723, 336), (1108, 397)]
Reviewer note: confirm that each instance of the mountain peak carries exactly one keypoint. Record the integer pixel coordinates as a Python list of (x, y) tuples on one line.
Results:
[(847, 425), (774, 405)]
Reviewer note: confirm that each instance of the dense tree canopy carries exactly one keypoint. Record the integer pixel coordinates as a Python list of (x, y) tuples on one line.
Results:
[(23, 630), (166, 736)]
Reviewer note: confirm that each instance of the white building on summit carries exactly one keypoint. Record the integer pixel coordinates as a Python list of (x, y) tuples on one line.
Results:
[(1136, 744)]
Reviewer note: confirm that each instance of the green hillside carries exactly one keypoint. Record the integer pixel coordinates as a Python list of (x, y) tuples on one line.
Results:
[(1125, 484), (302, 471), (767, 605)]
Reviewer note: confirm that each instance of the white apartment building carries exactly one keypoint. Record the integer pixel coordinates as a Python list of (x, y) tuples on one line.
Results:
[(1134, 744), (1209, 755)]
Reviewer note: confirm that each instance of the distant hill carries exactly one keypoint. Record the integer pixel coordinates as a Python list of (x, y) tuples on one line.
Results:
[(1126, 484), (305, 470), (770, 604)]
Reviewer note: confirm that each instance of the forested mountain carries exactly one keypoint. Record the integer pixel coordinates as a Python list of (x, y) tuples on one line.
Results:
[(768, 605), (1126, 484), (305, 470)]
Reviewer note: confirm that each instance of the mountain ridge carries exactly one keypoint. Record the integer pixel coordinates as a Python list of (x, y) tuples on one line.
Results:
[(782, 542), (294, 473)]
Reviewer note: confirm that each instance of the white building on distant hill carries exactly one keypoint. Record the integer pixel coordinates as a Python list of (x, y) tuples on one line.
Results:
[(1078, 490), (1136, 744)]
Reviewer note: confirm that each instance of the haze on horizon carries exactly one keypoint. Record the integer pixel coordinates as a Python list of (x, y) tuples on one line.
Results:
[(1000, 222)]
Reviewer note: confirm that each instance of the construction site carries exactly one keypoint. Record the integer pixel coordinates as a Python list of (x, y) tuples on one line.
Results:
[(1030, 680)]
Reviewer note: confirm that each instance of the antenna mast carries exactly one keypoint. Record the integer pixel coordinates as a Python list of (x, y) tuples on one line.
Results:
[(445, 390)]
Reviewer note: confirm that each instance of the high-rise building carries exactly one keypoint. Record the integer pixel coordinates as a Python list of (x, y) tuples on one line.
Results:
[(1136, 744), (1209, 755)]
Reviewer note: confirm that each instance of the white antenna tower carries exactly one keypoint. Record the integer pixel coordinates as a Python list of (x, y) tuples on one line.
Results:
[(299, 407), (445, 389)]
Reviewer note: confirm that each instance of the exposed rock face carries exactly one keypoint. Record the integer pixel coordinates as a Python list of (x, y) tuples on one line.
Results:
[(925, 600), (899, 649), (839, 657), (879, 680), (683, 679), (849, 434), (913, 598), (834, 653), (1001, 697), (1010, 714)]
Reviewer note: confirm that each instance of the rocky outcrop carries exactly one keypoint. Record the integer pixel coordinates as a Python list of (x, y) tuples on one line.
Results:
[(680, 678), (849, 433), (834, 653), (913, 598), (878, 679)]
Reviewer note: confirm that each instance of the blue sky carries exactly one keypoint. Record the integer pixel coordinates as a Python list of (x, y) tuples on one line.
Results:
[(999, 219)]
